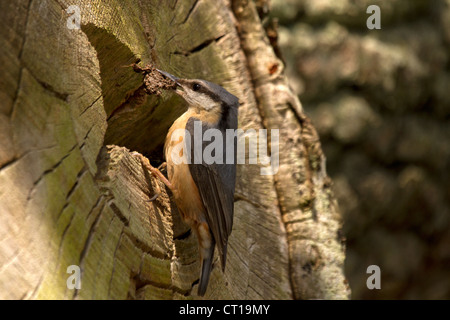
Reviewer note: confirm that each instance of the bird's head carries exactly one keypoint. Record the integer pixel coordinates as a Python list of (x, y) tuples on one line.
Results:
[(203, 94)]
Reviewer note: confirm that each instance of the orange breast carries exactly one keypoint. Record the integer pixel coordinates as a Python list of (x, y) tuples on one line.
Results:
[(186, 194)]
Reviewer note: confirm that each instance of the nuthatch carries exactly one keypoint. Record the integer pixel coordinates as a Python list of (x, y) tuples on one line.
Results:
[(203, 192)]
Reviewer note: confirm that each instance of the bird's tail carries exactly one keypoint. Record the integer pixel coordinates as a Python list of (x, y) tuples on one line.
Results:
[(207, 259)]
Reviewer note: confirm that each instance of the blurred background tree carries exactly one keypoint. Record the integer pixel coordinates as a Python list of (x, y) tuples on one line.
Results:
[(380, 101)]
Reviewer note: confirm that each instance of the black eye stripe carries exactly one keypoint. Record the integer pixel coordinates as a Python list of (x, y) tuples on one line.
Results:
[(203, 89)]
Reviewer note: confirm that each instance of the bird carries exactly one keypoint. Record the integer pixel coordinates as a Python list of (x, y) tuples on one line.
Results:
[(203, 191)]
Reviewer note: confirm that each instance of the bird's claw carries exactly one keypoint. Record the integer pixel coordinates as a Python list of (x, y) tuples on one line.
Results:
[(162, 166), (155, 196)]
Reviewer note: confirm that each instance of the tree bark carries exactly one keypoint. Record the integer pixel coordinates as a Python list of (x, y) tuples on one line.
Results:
[(71, 193)]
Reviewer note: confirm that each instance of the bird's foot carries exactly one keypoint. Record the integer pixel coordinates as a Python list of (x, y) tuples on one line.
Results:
[(162, 166), (155, 173)]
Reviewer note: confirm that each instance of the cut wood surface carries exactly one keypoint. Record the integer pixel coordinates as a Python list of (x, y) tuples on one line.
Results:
[(71, 193)]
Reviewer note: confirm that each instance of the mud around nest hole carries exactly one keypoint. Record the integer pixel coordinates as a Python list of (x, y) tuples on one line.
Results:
[(153, 80)]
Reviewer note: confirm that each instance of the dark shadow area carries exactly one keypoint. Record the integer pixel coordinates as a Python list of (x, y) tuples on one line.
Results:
[(136, 120)]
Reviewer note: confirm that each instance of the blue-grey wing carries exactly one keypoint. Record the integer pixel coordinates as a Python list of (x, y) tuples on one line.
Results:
[(216, 182)]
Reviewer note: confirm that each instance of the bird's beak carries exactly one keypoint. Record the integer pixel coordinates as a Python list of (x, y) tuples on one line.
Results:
[(169, 76), (179, 89)]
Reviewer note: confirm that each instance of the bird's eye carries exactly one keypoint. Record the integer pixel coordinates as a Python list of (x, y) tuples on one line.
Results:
[(196, 87)]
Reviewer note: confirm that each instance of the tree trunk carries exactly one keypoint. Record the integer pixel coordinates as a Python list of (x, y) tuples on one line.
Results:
[(71, 193)]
